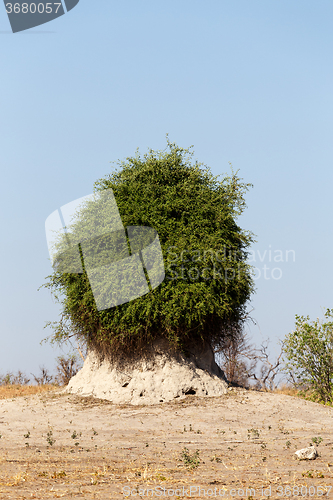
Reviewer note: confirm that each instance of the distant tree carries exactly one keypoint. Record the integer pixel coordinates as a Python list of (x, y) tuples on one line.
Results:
[(308, 353), (208, 281), (268, 370), (66, 369), (11, 379), (232, 357), (44, 378), (247, 365)]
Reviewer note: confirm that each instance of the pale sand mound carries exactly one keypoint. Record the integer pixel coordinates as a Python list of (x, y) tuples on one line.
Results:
[(159, 378)]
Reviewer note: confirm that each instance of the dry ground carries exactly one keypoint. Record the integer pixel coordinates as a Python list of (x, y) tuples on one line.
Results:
[(61, 446)]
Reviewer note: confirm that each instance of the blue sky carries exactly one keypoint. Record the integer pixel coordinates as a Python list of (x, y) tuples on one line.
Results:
[(246, 82)]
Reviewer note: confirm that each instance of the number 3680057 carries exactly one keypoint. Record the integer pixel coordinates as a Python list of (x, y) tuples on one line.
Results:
[(33, 8)]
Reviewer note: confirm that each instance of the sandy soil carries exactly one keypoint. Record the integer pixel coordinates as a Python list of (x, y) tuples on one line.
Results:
[(62, 446)]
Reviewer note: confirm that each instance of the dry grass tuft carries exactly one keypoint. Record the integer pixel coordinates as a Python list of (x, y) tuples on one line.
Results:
[(13, 391), (287, 389)]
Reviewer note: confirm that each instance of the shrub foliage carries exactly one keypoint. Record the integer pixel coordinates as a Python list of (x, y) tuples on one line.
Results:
[(308, 353), (208, 281)]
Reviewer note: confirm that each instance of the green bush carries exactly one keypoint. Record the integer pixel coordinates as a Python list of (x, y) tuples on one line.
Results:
[(193, 212), (308, 353)]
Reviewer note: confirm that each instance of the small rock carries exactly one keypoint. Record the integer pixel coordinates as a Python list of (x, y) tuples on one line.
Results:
[(307, 453)]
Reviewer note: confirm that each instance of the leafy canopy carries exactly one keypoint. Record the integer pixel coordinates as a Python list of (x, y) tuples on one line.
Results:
[(208, 281)]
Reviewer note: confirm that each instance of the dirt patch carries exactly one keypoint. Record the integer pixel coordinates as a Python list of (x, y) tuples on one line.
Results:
[(239, 445)]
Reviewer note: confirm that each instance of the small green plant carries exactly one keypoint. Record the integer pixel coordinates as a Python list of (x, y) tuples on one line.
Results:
[(191, 430), (50, 438), (27, 436), (308, 473), (316, 440), (191, 461), (94, 432), (75, 435), (58, 475), (252, 434), (313, 473), (288, 444)]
